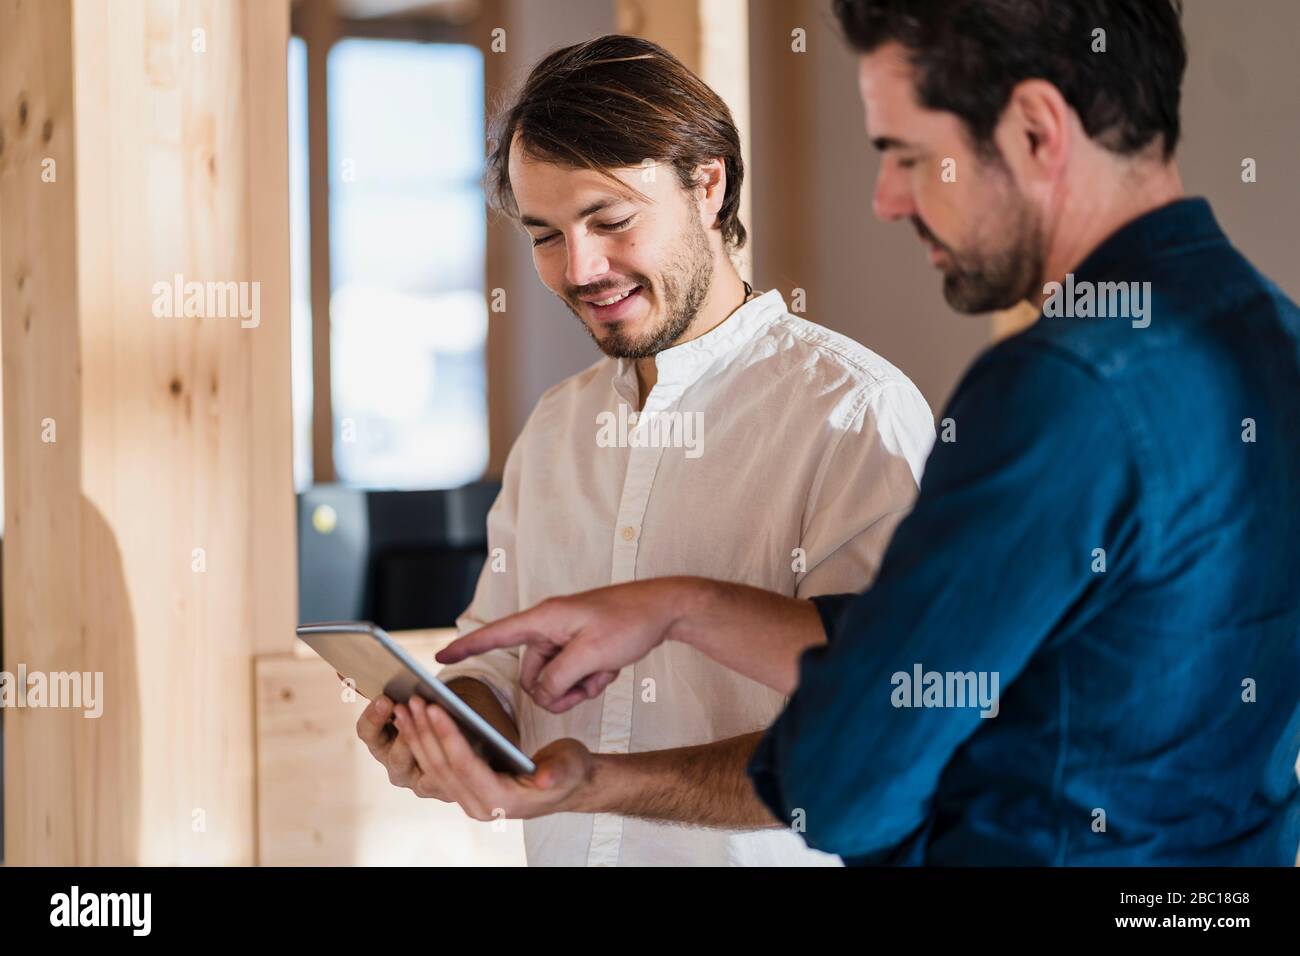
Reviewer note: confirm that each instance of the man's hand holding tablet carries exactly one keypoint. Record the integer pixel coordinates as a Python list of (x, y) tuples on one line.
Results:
[(447, 768), (423, 746)]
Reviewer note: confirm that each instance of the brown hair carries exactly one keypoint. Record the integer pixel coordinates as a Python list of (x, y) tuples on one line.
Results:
[(611, 103)]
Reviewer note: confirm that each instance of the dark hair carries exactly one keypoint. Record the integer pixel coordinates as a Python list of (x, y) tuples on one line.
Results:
[(970, 54), (611, 103)]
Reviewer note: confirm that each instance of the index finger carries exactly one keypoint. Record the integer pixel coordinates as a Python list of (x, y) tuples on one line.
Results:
[(567, 673), (522, 628)]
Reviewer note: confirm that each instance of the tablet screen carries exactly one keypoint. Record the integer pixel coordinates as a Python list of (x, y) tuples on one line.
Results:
[(378, 665)]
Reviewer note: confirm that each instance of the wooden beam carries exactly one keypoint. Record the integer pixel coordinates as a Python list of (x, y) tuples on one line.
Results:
[(712, 38), (275, 595), (319, 31), (38, 285), (414, 29), (149, 540), (447, 10)]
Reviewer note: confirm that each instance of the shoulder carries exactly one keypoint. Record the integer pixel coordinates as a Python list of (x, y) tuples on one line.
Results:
[(1030, 390), (842, 369)]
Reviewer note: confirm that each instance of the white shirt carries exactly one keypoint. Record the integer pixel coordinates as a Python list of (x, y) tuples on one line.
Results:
[(796, 453)]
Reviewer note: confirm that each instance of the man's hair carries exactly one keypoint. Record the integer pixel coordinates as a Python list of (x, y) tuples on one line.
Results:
[(612, 103), (970, 54)]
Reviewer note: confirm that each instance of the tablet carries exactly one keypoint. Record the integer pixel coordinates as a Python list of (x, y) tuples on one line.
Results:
[(377, 665)]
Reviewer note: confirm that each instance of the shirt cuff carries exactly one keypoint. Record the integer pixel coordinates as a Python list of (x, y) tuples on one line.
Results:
[(829, 609), (765, 777), (762, 768), (763, 774)]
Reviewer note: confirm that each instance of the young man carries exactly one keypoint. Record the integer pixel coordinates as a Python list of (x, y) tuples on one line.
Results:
[(720, 436), (1083, 645)]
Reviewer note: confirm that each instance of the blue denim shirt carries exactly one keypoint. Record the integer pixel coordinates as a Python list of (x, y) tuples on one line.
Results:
[(1109, 526)]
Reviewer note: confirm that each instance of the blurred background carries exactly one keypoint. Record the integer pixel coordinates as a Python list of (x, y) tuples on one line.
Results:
[(338, 461), (417, 396)]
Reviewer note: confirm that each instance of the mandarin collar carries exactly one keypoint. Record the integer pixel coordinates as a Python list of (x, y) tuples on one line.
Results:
[(682, 365)]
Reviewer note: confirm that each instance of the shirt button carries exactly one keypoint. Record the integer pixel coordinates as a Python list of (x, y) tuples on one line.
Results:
[(629, 533)]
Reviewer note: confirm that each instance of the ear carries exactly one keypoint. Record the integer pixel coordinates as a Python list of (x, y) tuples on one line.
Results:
[(1036, 131), (710, 188)]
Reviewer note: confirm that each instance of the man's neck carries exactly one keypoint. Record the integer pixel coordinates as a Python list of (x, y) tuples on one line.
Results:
[(1098, 207), (726, 295)]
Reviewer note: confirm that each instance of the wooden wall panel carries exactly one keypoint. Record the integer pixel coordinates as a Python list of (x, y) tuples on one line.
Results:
[(154, 540)]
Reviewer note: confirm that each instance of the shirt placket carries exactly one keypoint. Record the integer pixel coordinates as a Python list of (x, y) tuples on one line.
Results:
[(616, 709)]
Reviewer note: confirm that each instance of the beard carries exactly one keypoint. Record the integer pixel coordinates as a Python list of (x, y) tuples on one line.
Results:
[(1003, 264), (685, 285)]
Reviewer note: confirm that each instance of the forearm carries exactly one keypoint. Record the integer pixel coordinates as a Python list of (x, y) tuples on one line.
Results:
[(483, 702), (705, 785), (753, 632)]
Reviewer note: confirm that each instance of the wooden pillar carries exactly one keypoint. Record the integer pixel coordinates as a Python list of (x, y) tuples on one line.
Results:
[(148, 467), (712, 38), (320, 31)]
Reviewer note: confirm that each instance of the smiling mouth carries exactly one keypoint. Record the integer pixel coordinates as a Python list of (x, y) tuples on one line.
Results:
[(613, 306), (619, 297)]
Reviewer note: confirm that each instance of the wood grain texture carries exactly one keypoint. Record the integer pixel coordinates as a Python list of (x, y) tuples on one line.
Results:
[(44, 823), (323, 800), (154, 539)]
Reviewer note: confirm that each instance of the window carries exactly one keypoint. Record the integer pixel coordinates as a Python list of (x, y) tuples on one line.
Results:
[(408, 243)]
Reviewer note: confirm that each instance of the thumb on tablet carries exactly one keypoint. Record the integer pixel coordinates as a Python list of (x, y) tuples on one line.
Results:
[(561, 765)]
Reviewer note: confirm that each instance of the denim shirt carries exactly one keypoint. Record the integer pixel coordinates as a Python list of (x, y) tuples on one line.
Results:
[(1083, 645)]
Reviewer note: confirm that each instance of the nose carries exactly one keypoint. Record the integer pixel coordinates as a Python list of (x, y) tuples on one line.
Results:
[(586, 260), (892, 199)]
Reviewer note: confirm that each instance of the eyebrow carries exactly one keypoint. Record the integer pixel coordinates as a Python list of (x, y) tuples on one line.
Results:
[(883, 143), (591, 210)]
